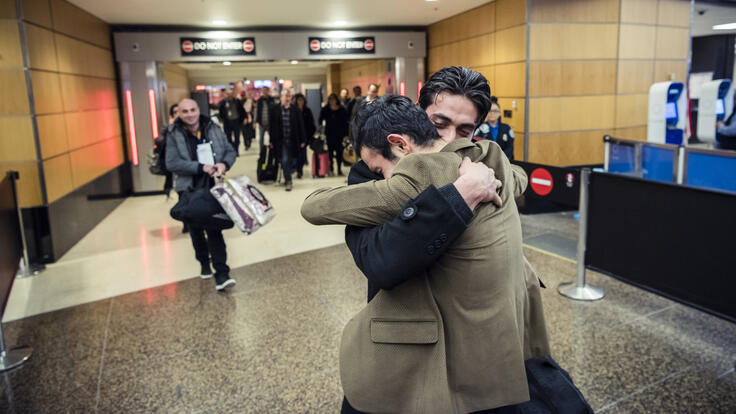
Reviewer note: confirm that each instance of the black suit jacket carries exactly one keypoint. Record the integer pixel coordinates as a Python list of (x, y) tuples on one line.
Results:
[(276, 129), (394, 252)]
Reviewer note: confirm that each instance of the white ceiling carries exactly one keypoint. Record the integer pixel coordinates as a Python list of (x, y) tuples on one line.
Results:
[(708, 14), (305, 13), (217, 73)]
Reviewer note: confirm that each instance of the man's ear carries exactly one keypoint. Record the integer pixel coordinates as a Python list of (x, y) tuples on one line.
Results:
[(399, 143)]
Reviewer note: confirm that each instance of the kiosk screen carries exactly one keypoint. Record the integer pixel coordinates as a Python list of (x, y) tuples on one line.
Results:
[(720, 108), (670, 110)]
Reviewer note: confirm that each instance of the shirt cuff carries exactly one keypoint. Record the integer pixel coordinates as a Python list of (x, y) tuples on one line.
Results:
[(450, 193)]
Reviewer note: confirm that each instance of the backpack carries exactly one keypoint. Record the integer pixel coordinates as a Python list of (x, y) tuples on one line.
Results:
[(157, 159)]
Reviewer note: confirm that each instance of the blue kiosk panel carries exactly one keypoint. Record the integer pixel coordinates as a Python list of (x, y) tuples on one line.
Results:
[(658, 164), (622, 158), (711, 171)]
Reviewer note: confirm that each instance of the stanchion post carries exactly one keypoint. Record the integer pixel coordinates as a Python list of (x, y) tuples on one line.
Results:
[(13, 358), (26, 268), (579, 290)]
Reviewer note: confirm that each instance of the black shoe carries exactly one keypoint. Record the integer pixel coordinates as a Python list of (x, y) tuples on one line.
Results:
[(299, 176), (206, 271), (288, 186), (222, 281)]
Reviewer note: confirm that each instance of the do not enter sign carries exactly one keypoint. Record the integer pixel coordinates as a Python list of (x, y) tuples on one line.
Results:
[(541, 181)]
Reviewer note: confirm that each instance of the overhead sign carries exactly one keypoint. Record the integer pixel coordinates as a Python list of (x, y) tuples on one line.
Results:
[(541, 181), (341, 46), (198, 46)]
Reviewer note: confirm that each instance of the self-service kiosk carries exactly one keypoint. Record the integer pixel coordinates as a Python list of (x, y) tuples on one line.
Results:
[(667, 113), (715, 104)]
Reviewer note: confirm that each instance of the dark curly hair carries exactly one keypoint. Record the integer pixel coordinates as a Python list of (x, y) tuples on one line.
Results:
[(457, 80)]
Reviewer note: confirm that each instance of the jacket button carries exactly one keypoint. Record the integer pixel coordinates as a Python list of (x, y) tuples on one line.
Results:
[(443, 237), (430, 250), (437, 244), (408, 213)]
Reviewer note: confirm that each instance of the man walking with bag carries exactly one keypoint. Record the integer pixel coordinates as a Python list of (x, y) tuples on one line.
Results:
[(197, 150)]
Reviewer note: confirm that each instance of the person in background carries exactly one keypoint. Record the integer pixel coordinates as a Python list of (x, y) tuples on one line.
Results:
[(261, 119), (286, 129), (249, 131), (189, 131), (344, 97), (309, 129), (231, 114), (334, 117), (357, 97), (160, 144), (495, 130)]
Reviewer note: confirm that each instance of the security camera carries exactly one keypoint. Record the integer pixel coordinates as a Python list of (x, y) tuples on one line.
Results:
[(701, 12), (411, 45), (136, 47)]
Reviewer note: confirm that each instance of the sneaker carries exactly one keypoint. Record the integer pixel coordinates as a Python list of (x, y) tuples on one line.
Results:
[(288, 186), (206, 272), (223, 281)]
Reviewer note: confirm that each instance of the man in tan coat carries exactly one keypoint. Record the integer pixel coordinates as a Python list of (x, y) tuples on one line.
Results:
[(454, 341)]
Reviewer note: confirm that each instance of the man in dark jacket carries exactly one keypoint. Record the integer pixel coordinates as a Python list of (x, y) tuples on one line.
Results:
[(193, 132), (286, 128), (261, 118), (232, 114)]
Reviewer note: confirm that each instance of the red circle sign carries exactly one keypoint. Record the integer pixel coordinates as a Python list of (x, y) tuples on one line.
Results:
[(187, 46), (314, 45), (368, 44), (541, 181), (248, 45)]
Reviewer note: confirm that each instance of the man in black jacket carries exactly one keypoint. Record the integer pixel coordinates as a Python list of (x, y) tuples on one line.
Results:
[(261, 118), (232, 114), (457, 101), (286, 128)]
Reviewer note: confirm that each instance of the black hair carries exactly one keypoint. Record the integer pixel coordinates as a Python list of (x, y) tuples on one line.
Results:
[(357, 88), (333, 95), (391, 114), (457, 80), (300, 95), (171, 109)]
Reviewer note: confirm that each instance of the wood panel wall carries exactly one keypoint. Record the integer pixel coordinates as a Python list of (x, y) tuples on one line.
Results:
[(492, 40), (17, 143), (591, 64), (74, 90), (177, 84), (358, 73)]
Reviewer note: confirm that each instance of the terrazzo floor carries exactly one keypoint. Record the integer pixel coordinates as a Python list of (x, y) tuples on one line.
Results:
[(270, 345)]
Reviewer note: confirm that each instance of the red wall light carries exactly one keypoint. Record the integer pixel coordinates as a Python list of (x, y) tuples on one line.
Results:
[(131, 127), (200, 88), (402, 89), (154, 118)]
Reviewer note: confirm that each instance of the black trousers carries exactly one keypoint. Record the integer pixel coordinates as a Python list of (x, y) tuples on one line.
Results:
[(334, 148), (209, 248), (232, 132), (509, 409)]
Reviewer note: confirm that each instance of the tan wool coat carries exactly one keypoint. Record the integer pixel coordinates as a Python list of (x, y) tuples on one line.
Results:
[(455, 339)]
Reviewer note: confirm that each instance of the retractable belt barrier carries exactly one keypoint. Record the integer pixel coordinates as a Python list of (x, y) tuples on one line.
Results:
[(550, 188), (11, 254)]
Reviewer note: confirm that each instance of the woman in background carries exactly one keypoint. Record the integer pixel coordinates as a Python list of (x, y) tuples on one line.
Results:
[(309, 129), (334, 117)]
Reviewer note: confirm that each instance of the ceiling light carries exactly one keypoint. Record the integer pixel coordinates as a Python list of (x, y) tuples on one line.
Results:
[(340, 23), (727, 26), (227, 63), (430, 1), (281, 81), (219, 22), (294, 62)]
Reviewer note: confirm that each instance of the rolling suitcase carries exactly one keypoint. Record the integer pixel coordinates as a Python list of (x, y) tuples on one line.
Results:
[(320, 164), (268, 167)]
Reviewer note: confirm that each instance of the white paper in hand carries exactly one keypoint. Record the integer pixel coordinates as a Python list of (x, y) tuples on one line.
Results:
[(204, 154)]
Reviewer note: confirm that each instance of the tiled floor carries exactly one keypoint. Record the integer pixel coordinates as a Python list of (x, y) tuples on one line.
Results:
[(270, 345), (120, 325)]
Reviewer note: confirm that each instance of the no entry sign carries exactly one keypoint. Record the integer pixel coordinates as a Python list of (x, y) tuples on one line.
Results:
[(341, 46), (198, 46), (541, 181)]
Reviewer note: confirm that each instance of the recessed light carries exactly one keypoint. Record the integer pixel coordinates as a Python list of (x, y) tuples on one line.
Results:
[(294, 62), (219, 22), (431, 1), (727, 26), (340, 23), (227, 63), (281, 81)]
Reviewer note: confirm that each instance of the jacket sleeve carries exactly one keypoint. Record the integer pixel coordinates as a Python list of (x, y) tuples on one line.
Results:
[(519, 180), (176, 161)]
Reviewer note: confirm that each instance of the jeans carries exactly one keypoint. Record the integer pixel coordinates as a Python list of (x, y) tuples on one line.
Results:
[(210, 247), (288, 163), (232, 132)]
